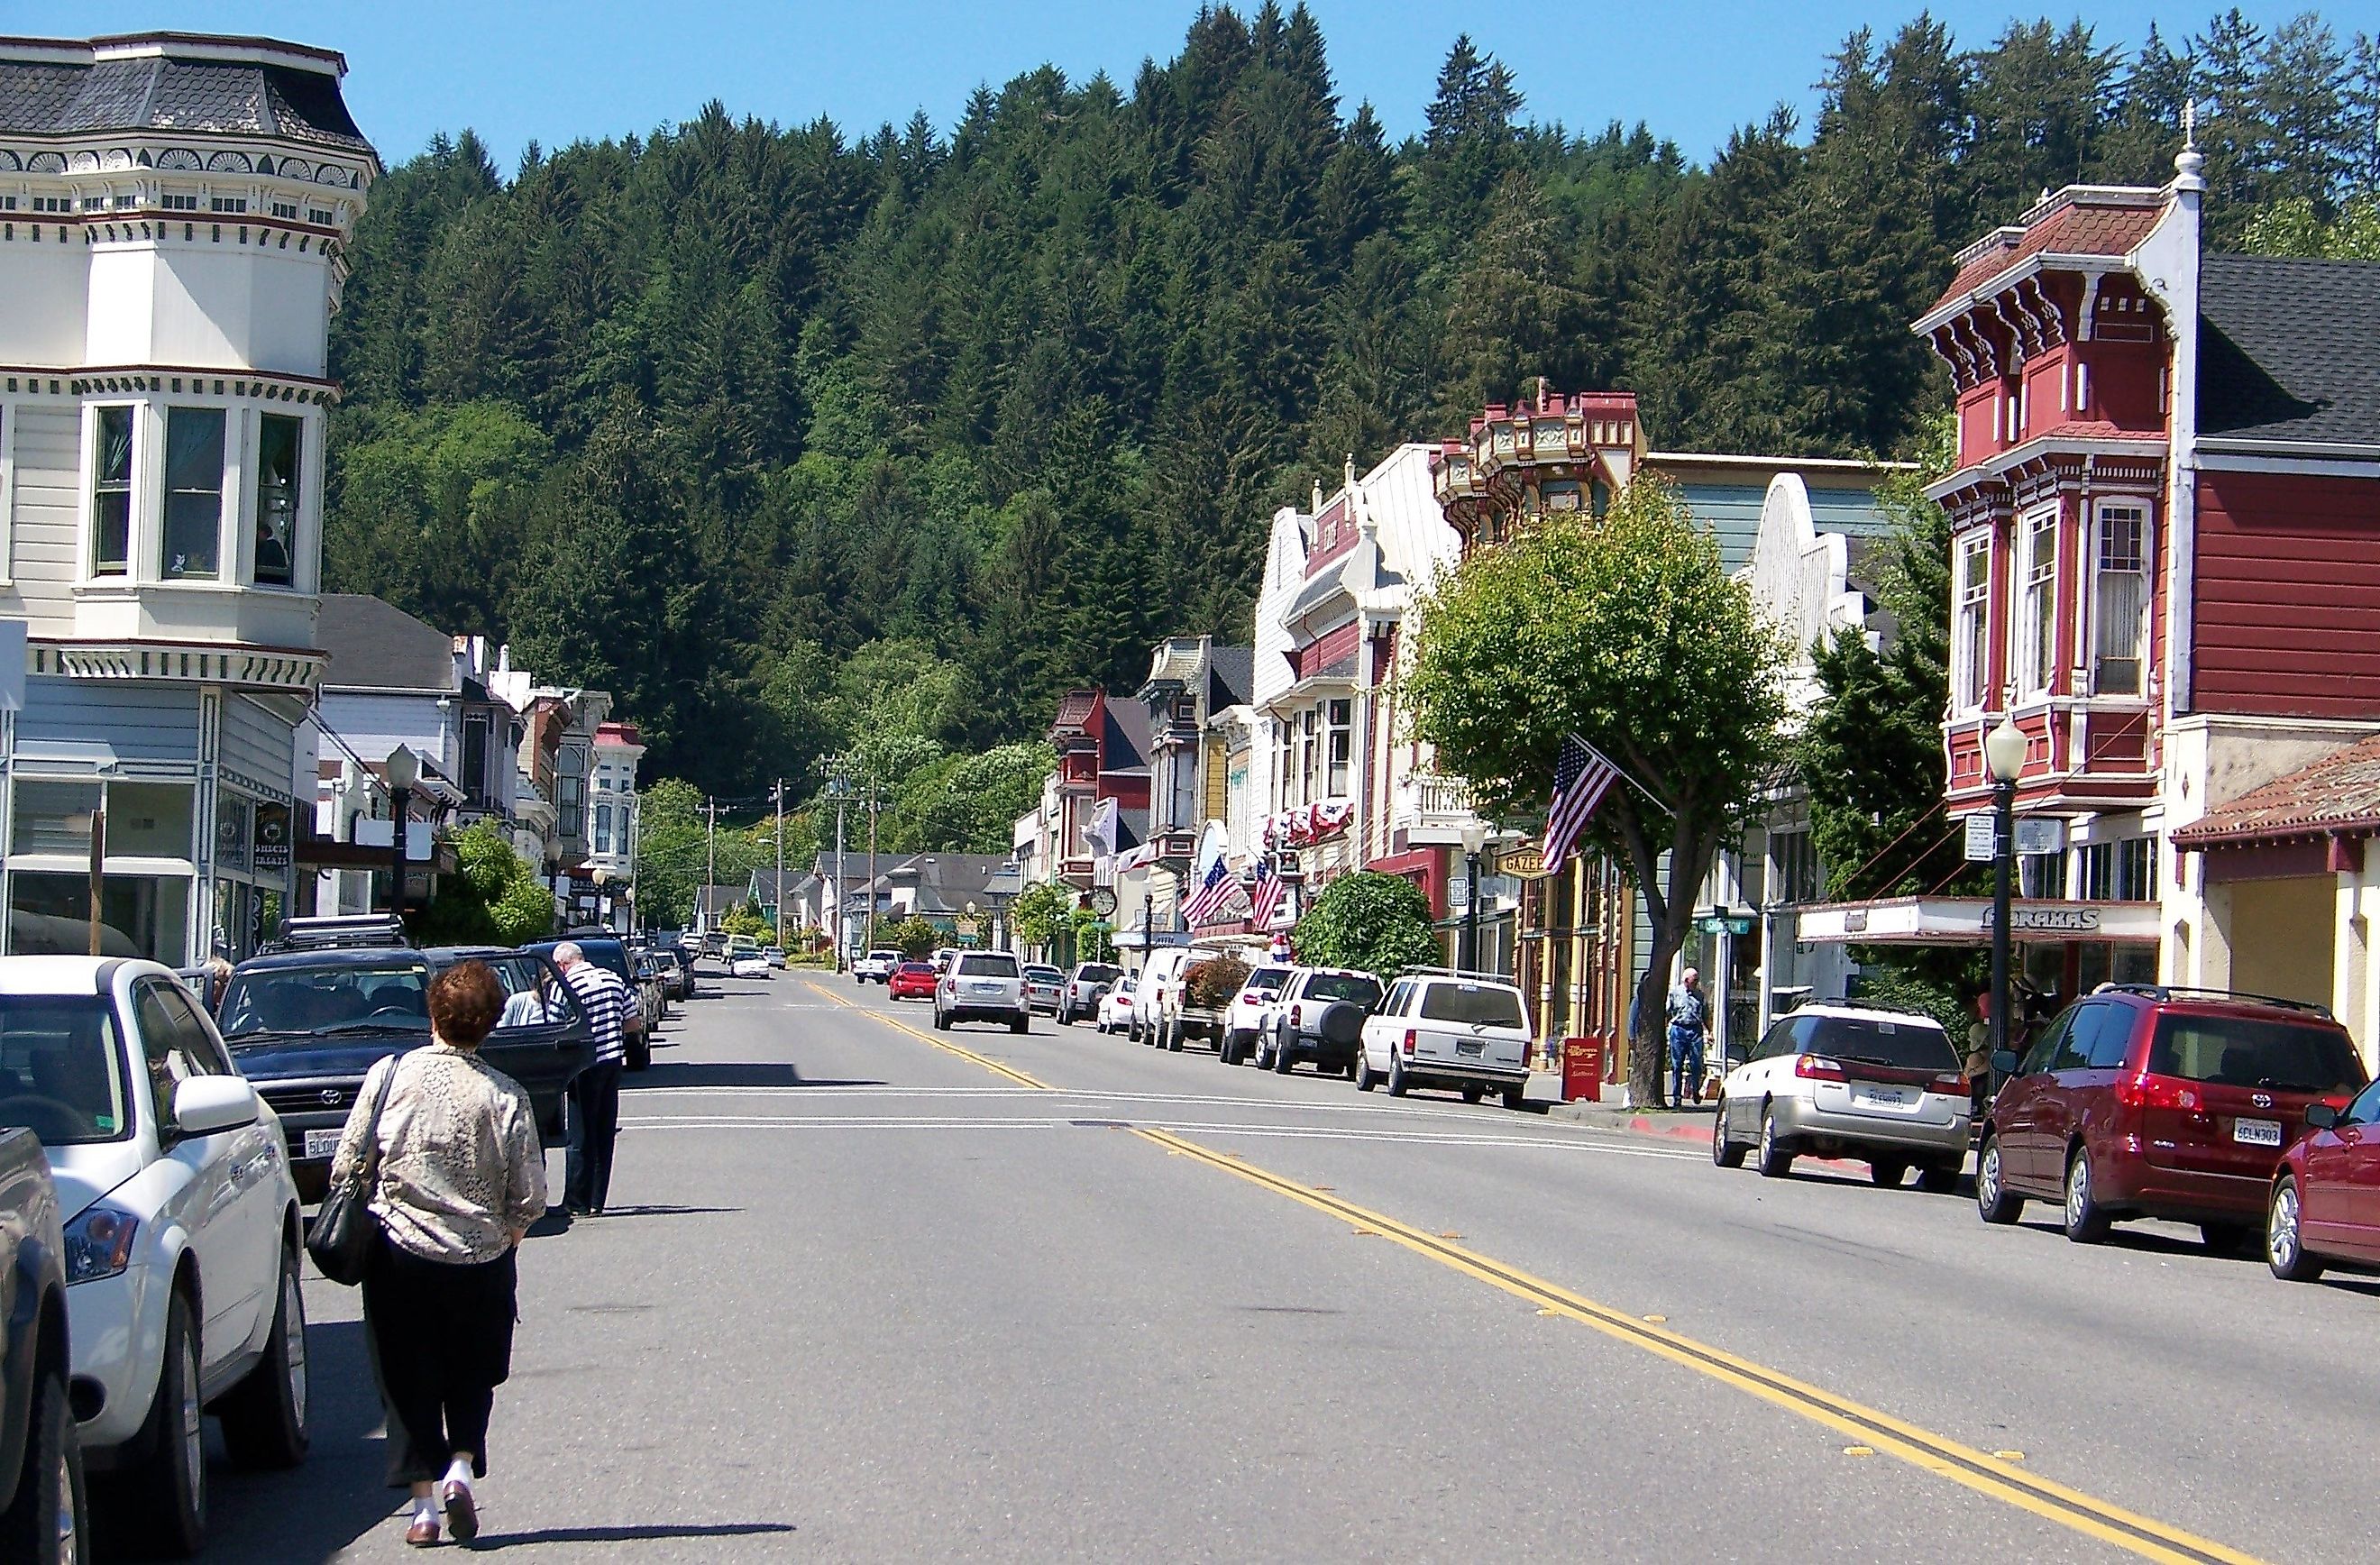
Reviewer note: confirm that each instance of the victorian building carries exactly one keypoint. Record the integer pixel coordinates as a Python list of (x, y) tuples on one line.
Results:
[(175, 213)]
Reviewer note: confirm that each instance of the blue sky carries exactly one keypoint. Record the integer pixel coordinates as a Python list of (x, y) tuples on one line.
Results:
[(518, 69)]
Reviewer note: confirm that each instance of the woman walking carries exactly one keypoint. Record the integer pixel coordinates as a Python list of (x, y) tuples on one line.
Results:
[(457, 1179)]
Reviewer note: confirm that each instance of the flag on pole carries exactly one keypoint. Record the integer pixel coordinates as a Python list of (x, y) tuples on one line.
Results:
[(1263, 897), (1210, 896), (1581, 776)]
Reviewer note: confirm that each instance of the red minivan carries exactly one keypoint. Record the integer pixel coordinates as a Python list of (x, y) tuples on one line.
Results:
[(2148, 1101)]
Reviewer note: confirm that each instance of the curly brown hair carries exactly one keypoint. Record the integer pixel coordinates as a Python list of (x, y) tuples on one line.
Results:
[(464, 1002)]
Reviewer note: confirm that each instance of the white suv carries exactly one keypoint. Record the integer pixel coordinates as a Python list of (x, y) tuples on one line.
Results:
[(181, 1231), (1443, 1028), (1840, 1079), (982, 986)]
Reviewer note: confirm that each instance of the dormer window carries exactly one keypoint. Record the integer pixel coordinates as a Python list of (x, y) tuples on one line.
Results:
[(111, 494), (194, 481)]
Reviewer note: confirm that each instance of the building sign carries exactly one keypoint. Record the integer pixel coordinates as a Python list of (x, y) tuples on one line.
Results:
[(2071, 918), (271, 856), (1529, 864), (235, 832), (1968, 921)]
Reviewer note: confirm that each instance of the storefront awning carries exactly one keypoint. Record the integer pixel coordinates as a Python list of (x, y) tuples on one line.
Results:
[(1968, 921)]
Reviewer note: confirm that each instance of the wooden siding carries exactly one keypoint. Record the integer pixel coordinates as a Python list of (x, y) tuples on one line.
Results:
[(258, 743), (81, 723), (1328, 648), (2288, 601), (45, 448)]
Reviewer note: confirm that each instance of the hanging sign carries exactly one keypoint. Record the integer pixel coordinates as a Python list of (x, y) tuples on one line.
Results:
[(271, 856)]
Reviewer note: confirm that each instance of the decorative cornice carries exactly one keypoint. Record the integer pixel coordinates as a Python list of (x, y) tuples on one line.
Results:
[(177, 380), (292, 669)]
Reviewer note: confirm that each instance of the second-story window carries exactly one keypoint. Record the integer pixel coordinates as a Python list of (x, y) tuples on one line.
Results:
[(602, 828), (2037, 615), (1283, 797), (194, 476), (2119, 600), (1309, 764), (111, 494), (278, 444), (475, 758), (1971, 640), (1338, 781)]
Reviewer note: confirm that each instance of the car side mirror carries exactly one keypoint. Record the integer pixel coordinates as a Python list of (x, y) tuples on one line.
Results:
[(204, 1105), (2006, 1061), (2322, 1116)]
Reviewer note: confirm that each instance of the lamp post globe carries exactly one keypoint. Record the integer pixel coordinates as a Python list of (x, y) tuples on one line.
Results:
[(401, 772)]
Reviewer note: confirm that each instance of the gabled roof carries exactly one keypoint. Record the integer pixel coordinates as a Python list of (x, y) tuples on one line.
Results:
[(2337, 795), (2291, 350), (1231, 675), (376, 645)]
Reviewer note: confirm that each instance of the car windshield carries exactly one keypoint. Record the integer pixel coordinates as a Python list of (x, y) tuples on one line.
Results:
[(2248, 1051), (1873, 1040), (1472, 1005), (61, 1074), (988, 964), (1364, 992), (329, 998)]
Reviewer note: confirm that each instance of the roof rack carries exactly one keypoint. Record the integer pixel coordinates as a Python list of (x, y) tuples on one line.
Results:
[(342, 932), (1456, 973), (2188, 991)]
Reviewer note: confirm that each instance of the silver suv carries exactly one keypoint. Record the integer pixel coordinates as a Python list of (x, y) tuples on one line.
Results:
[(1841, 1079), (982, 986), (1440, 1027)]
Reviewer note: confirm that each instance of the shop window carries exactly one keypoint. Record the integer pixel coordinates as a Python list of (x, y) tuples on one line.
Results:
[(2119, 600), (149, 820), (140, 916), (54, 817), (111, 494), (278, 445), (194, 476), (2036, 616), (1338, 781), (2120, 871), (1970, 649)]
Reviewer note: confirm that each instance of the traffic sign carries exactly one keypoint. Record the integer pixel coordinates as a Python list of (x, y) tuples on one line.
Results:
[(1983, 841)]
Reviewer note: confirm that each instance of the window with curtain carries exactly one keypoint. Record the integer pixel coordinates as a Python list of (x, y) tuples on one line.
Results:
[(2036, 620), (1970, 649), (2118, 597), (111, 494), (278, 443), (194, 475)]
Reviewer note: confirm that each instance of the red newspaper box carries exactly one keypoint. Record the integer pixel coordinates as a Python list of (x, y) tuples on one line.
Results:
[(1582, 1069)]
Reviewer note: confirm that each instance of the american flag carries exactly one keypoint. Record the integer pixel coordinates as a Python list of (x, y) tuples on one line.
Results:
[(1209, 900), (1581, 776), (1263, 897)]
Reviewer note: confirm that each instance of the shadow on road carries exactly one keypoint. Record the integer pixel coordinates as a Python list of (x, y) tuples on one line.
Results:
[(611, 1212), (731, 1072), (315, 1511), (628, 1535)]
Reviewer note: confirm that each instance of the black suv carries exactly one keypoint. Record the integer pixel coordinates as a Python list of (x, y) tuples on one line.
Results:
[(305, 1025)]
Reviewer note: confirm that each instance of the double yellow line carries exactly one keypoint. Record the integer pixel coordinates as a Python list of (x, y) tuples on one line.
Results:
[(1984, 1474)]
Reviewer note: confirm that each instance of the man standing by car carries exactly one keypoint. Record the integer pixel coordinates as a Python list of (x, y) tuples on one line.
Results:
[(1689, 1023), (595, 1091)]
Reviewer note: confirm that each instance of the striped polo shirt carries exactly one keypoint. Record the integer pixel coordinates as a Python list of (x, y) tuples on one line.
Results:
[(607, 1003)]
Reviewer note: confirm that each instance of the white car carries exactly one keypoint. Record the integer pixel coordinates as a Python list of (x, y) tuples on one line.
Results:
[(181, 1231), (1839, 1079), (1250, 1014), (982, 986), (1116, 1006), (749, 964), (1442, 1028), (876, 967)]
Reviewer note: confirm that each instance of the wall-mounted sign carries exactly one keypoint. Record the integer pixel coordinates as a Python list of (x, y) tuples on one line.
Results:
[(1529, 864), (271, 856), (1983, 838), (235, 832)]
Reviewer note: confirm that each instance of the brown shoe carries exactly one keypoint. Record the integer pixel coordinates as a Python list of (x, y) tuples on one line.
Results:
[(423, 1533), (462, 1512)]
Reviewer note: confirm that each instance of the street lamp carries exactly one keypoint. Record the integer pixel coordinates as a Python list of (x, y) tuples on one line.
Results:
[(2005, 748), (970, 917), (1474, 837), (401, 772)]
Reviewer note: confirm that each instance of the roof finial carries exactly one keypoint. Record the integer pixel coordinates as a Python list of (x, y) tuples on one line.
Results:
[(1348, 472), (1541, 393), (2190, 125), (2190, 163)]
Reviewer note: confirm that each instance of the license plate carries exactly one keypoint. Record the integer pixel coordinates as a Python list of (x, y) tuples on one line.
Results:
[(1470, 1047), (2257, 1132), (1882, 1098), (322, 1143), (985, 989)]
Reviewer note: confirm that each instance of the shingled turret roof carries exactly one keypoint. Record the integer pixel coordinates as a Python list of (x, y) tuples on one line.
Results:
[(177, 83)]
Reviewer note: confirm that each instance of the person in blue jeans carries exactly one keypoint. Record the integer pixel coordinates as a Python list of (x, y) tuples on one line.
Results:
[(1689, 1024)]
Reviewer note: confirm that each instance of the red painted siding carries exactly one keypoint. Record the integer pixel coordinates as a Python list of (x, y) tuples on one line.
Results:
[(2288, 601), (1334, 534), (1328, 648)]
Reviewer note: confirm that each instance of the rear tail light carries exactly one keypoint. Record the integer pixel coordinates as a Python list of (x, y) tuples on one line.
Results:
[(2145, 1091), (1952, 1085), (1818, 1068), (1409, 1043)]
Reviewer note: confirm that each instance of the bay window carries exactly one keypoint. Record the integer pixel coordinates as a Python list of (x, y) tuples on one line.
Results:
[(1971, 644), (2120, 599), (278, 447), (2035, 647), (194, 477), (111, 493)]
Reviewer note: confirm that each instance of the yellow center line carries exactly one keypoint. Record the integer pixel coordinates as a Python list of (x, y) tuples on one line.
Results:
[(1982, 1472)]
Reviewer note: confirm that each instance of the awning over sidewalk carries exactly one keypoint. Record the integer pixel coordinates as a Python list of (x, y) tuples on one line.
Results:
[(1968, 921)]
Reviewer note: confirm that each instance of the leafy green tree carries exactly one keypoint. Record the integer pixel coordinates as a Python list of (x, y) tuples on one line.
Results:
[(1628, 632), (494, 899), (748, 919), (2295, 227), (913, 937), (1372, 922), (1094, 936), (1043, 913)]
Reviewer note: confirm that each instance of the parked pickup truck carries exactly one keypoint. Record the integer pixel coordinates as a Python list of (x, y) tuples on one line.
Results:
[(1195, 1005), (41, 1515)]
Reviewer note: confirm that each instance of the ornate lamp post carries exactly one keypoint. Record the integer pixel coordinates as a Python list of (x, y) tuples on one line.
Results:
[(402, 770), (1474, 837), (2004, 754)]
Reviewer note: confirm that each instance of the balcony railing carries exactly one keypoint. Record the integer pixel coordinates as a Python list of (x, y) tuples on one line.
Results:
[(1432, 808)]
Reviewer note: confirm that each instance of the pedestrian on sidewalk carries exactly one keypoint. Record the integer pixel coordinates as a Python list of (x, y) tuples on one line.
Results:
[(1689, 1025), (595, 1091), (459, 1177)]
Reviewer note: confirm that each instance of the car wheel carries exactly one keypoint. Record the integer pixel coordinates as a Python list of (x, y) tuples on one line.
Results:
[(166, 1491), (1995, 1203), (265, 1417), (942, 1022), (1887, 1172), (1398, 1085), (2284, 1243), (1517, 1096), (1173, 1037), (2086, 1223), (49, 1519), (1938, 1179), (1776, 1152), (1473, 1092), (1021, 1023), (1284, 1057), (1727, 1154), (1365, 1077)]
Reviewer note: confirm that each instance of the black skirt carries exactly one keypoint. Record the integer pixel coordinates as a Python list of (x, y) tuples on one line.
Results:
[(438, 1328)]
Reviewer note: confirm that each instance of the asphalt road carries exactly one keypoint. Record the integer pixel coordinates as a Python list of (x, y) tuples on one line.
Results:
[(872, 1292)]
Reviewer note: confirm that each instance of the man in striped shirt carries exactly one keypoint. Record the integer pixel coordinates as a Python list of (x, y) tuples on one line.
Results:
[(595, 1093)]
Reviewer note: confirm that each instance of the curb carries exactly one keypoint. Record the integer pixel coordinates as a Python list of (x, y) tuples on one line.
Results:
[(1697, 1127)]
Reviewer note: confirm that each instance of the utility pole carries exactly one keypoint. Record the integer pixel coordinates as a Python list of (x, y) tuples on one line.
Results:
[(781, 862), (711, 867), (841, 787), (871, 861)]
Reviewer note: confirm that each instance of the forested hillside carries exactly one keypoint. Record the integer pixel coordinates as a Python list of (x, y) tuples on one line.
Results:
[(700, 417)]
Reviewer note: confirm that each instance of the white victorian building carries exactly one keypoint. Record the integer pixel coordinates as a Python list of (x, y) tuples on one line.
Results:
[(174, 218)]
